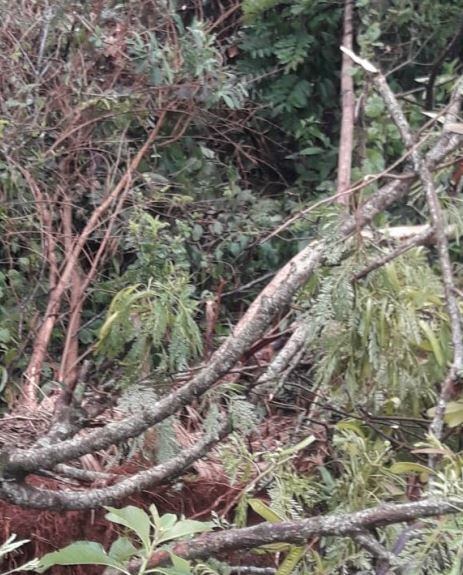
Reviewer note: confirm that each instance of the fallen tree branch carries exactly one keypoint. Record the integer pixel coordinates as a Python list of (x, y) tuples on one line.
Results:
[(421, 238), (280, 364), (437, 218), (275, 296), (297, 532), (278, 294), (25, 495)]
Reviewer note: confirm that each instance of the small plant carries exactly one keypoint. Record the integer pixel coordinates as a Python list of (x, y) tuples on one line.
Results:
[(149, 531), (10, 545)]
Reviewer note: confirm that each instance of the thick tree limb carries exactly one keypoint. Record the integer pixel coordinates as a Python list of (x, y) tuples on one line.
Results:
[(297, 532), (22, 494)]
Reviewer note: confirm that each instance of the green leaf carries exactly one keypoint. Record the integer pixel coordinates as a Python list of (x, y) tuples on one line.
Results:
[(299, 446), (311, 151), (155, 515), (78, 553), (181, 566), (291, 560), (167, 521), (433, 342), (106, 327), (5, 335), (408, 467), (135, 519), (264, 511), (122, 550), (453, 413), (454, 419), (185, 528)]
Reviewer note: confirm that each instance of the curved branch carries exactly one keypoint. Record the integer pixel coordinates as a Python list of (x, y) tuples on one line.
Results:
[(32, 497)]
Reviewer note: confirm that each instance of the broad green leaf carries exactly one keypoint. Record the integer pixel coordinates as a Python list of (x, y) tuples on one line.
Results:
[(135, 519), (454, 407), (311, 151), (78, 553), (185, 528), (122, 549), (167, 521), (182, 566), (454, 419), (453, 413), (5, 335), (299, 446)]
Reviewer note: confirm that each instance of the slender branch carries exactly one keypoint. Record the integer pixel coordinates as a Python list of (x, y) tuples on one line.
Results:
[(67, 374), (348, 107), (455, 41), (373, 546), (418, 240), (437, 218), (32, 373), (283, 359)]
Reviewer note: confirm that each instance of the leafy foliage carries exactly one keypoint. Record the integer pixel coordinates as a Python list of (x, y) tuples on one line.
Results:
[(380, 339), (147, 532), (295, 76)]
